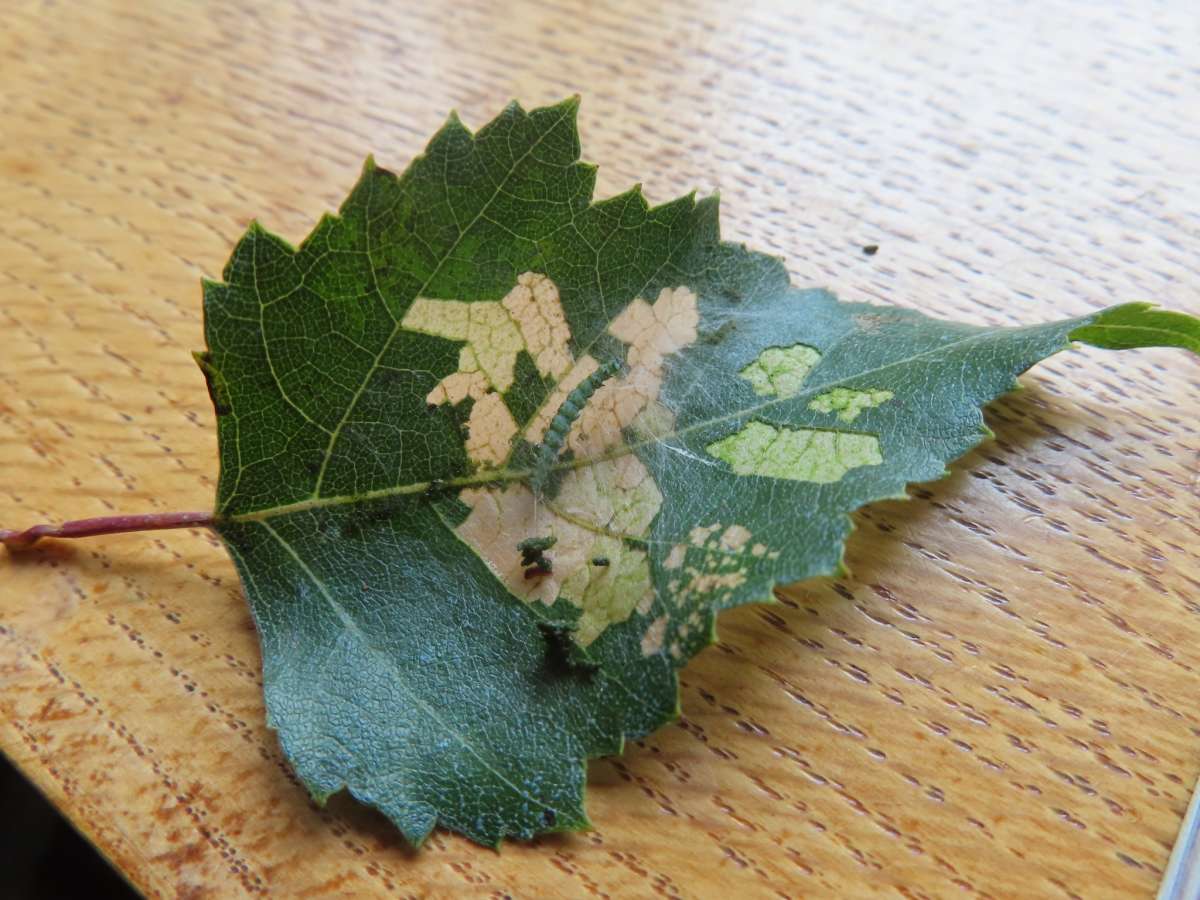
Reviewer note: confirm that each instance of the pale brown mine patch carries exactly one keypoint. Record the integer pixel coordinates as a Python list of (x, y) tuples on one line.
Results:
[(597, 505), (734, 538), (719, 562), (535, 306), (502, 518), (492, 337), (675, 558), (600, 503), (708, 582), (454, 389), (653, 332), (530, 318), (490, 430), (652, 640)]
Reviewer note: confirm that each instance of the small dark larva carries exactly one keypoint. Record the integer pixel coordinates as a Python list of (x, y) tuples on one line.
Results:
[(560, 425)]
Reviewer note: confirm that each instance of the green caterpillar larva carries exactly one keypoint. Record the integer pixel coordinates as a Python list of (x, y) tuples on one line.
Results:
[(560, 425)]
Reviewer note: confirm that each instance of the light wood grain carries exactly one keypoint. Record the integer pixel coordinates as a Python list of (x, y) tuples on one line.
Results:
[(1000, 702)]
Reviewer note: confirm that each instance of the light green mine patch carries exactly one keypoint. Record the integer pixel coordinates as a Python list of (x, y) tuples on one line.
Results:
[(848, 403), (622, 499), (607, 594), (781, 370), (796, 454)]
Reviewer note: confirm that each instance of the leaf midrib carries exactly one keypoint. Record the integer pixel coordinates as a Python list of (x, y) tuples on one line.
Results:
[(504, 476)]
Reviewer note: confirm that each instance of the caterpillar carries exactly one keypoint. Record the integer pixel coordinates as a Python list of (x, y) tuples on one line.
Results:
[(560, 425)]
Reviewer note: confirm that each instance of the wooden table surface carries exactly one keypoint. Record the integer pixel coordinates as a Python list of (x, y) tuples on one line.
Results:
[(1001, 702)]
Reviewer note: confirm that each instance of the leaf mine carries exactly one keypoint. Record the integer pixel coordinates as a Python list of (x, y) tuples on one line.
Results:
[(796, 454), (781, 371), (848, 403)]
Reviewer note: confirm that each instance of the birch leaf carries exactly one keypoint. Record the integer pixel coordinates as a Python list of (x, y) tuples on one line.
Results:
[(493, 455)]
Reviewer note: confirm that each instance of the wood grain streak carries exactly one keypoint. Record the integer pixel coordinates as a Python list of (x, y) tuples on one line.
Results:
[(998, 703)]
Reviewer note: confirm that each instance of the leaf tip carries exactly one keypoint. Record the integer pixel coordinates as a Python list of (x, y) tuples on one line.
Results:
[(569, 105), (1134, 325), (453, 125), (319, 796), (582, 824)]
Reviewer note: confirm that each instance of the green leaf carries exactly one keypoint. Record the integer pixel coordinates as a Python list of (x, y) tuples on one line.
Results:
[(493, 456), (1140, 325)]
